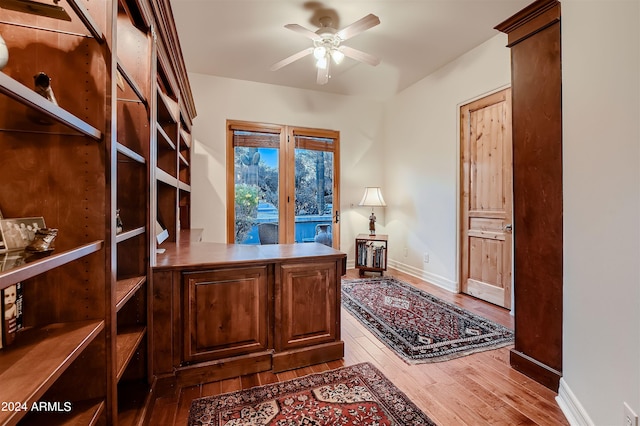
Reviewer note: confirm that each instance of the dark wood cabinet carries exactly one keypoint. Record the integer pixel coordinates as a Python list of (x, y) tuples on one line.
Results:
[(307, 321), (227, 313), (221, 310), (306, 305), (536, 78)]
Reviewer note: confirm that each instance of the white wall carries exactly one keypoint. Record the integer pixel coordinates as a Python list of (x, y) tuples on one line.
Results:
[(218, 99), (601, 160), (422, 176)]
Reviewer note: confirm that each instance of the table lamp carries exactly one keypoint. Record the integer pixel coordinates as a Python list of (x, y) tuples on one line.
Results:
[(372, 198)]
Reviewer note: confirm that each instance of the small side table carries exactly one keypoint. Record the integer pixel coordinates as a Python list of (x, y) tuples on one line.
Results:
[(371, 253)]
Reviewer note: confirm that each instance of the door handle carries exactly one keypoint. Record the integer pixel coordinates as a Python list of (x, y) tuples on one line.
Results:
[(508, 227), (337, 216)]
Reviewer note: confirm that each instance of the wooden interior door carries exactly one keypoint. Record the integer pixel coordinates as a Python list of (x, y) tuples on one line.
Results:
[(486, 198)]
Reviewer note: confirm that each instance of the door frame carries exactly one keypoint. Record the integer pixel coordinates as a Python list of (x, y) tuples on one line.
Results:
[(459, 195)]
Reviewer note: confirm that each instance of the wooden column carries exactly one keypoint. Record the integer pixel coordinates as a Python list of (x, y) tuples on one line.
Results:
[(534, 39)]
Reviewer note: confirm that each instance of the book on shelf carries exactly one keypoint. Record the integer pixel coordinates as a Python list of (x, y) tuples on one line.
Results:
[(371, 254), (12, 309)]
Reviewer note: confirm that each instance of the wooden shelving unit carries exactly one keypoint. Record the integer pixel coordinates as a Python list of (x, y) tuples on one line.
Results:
[(171, 173), (131, 194), (64, 316), (371, 253), (85, 338)]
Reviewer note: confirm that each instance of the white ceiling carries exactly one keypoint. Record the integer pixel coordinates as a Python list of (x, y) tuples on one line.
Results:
[(241, 39)]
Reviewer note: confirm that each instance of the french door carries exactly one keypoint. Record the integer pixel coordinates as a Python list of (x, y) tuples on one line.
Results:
[(282, 184)]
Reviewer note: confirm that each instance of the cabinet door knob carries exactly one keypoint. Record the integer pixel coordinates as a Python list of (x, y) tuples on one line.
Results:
[(508, 227)]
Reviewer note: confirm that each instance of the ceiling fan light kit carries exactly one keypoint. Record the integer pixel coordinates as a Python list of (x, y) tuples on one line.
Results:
[(327, 45)]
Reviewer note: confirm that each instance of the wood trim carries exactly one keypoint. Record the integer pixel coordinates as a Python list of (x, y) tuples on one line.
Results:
[(230, 195), (300, 357), (320, 133), (538, 371), (223, 369), (530, 20), (335, 232), (254, 127), (169, 35)]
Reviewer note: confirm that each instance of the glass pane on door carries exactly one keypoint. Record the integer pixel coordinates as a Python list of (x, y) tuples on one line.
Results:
[(314, 175), (256, 193)]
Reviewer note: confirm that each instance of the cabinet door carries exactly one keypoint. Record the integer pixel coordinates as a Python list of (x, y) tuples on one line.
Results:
[(307, 305), (226, 313)]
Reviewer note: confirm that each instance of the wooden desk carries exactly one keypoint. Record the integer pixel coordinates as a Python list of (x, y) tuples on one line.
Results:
[(222, 310)]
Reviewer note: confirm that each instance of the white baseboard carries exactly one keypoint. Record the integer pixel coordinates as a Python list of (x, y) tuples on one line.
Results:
[(571, 407), (418, 273), (424, 275)]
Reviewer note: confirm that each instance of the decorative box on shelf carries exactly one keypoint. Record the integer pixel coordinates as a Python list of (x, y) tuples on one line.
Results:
[(371, 253)]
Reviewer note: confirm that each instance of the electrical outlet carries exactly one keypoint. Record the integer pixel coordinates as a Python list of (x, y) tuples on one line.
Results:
[(630, 417), (425, 257), (405, 252)]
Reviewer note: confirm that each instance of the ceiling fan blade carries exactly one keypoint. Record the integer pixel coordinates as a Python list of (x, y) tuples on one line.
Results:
[(302, 30), (359, 26), (358, 55), (292, 58), (323, 74)]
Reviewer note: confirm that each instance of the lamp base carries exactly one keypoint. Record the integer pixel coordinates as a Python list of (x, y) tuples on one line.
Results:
[(372, 224)]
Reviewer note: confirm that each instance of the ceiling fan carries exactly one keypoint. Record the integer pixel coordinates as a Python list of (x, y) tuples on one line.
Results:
[(327, 45)]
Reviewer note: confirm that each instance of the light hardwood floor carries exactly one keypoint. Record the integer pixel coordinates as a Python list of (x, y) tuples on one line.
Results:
[(479, 389)]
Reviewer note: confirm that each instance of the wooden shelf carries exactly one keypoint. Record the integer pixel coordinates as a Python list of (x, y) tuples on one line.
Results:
[(37, 267), (130, 234), (185, 138), (87, 19), (126, 288), (127, 343), (82, 413), (127, 152), (37, 359), (28, 97), (165, 177), (167, 140), (183, 160), (132, 83), (168, 109)]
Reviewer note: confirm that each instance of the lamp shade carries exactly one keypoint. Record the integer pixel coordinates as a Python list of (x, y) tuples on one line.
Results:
[(372, 197)]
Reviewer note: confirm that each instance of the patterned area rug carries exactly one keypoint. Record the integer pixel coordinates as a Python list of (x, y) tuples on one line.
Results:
[(355, 395), (419, 327)]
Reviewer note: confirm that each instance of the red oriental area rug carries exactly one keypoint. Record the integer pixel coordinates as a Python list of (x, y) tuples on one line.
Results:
[(355, 395), (417, 326)]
